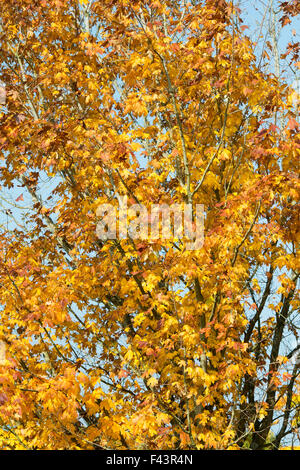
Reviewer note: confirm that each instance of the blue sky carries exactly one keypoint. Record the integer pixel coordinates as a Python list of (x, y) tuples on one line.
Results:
[(256, 12)]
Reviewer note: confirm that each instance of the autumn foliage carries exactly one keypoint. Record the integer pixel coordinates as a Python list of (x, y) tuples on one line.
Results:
[(143, 344)]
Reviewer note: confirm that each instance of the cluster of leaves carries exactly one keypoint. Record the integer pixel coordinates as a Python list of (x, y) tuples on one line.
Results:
[(130, 344), (289, 10)]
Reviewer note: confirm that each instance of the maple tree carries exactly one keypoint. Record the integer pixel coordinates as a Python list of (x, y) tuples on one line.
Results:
[(144, 344)]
